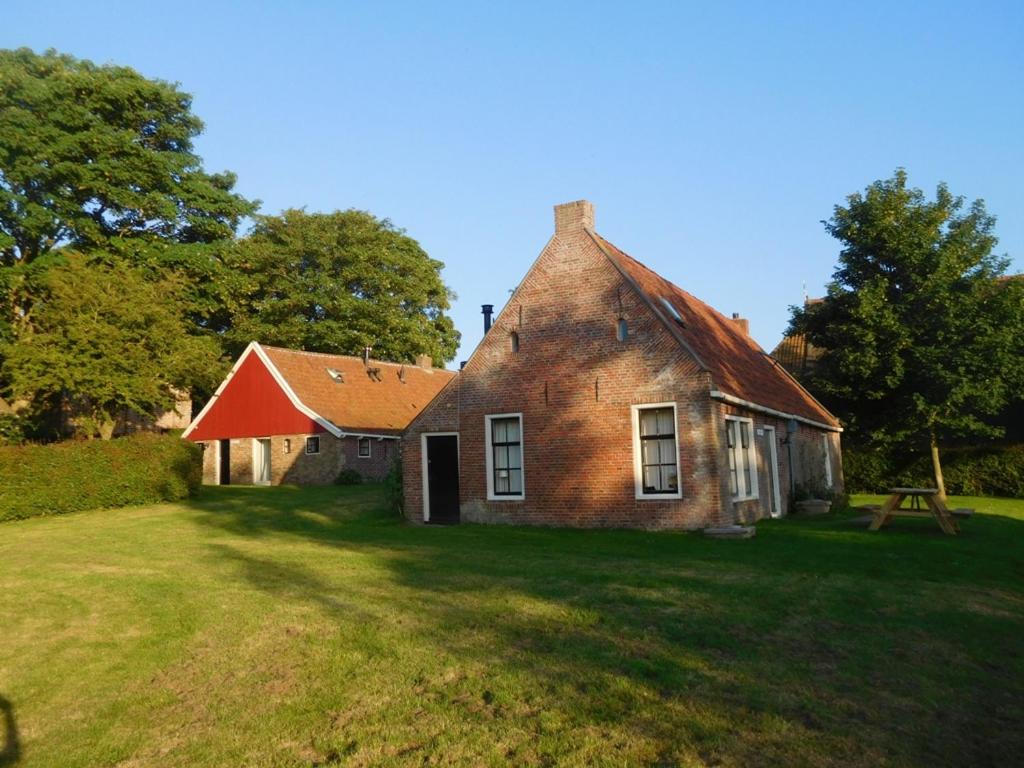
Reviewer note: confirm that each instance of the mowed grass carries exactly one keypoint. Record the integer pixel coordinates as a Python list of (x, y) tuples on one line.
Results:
[(285, 627)]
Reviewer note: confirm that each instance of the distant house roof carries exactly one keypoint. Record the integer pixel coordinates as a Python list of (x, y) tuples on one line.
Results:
[(739, 368), (270, 389), (795, 353), (355, 396)]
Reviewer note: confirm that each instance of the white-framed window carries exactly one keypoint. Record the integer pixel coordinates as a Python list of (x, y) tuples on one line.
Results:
[(313, 444), (364, 448), (739, 441), (827, 450), (656, 451), (505, 477)]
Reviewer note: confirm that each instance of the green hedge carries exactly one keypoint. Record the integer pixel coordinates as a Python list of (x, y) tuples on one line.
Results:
[(981, 471), (72, 476)]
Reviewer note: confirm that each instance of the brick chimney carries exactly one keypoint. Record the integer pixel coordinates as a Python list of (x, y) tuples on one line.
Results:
[(742, 323), (424, 361), (574, 217)]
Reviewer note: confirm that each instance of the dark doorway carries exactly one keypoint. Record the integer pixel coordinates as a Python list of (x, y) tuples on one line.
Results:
[(443, 479), (225, 462)]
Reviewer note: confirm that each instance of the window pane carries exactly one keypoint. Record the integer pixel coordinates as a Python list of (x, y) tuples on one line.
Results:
[(501, 481), (666, 425), (514, 457), (515, 480), (650, 452), (648, 422), (669, 479), (498, 430), (652, 478), (668, 452), (733, 480), (730, 433), (512, 430), (744, 434)]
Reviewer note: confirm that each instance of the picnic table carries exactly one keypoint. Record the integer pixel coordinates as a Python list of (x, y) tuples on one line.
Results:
[(924, 502)]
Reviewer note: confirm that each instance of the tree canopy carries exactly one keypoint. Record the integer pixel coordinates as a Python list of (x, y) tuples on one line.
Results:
[(338, 282), (108, 339), (922, 339)]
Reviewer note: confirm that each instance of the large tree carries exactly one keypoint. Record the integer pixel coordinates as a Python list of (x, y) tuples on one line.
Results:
[(339, 282), (100, 157), (923, 341), (107, 339)]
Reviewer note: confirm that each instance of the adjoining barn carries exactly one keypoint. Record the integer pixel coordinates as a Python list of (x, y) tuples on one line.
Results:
[(604, 395), (287, 416)]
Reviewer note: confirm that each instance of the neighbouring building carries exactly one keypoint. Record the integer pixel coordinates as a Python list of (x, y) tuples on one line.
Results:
[(287, 416), (604, 395)]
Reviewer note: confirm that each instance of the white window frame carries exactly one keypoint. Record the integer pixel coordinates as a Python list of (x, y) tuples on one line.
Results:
[(828, 459), (253, 451), (359, 448), (751, 455), (638, 462), (488, 436), (306, 446)]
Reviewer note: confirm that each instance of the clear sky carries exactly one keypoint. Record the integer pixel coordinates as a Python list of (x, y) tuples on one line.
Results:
[(713, 138)]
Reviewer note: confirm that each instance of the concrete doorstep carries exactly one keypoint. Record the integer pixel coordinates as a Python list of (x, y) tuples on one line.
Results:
[(731, 532)]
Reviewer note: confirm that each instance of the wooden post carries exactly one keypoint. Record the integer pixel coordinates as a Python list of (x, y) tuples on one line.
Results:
[(937, 467)]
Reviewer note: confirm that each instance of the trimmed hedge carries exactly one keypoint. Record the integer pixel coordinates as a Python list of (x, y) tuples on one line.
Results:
[(981, 471), (73, 476)]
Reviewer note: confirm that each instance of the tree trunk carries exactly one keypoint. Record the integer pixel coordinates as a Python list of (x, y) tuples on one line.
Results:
[(937, 467)]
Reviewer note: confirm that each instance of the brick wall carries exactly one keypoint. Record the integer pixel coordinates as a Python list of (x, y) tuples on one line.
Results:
[(575, 382), (291, 465)]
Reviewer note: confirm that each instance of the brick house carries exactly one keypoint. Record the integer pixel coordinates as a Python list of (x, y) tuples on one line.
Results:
[(604, 395), (286, 416)]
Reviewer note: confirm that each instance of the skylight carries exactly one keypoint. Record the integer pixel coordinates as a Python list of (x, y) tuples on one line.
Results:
[(336, 375), (672, 310)]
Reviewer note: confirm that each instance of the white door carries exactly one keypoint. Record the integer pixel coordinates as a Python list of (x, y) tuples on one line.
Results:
[(772, 458), (261, 461)]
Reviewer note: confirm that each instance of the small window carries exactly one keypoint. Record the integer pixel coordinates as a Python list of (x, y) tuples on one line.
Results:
[(287, 445), (658, 463), (622, 331), (515, 341), (742, 463), (364, 447), (312, 445), (505, 457)]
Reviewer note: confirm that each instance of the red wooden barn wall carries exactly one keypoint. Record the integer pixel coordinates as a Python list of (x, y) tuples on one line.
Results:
[(252, 405)]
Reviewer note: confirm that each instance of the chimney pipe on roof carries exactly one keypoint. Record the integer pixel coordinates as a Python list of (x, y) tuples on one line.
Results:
[(487, 310), (366, 356), (742, 322)]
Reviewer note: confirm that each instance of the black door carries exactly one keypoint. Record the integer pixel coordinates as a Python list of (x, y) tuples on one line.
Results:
[(443, 478), (225, 462)]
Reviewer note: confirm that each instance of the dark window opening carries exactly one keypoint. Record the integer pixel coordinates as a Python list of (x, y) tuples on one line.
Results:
[(515, 341), (312, 445), (506, 445), (364, 447), (622, 330), (659, 454)]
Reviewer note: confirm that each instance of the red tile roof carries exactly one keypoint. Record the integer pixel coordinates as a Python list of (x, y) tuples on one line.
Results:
[(381, 398), (737, 364)]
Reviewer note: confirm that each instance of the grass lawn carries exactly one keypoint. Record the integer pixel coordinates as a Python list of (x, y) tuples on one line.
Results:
[(284, 627)]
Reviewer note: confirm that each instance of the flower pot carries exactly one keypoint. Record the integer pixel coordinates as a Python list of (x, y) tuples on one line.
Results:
[(813, 507)]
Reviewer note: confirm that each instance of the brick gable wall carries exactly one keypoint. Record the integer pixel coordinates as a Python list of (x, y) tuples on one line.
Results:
[(575, 383)]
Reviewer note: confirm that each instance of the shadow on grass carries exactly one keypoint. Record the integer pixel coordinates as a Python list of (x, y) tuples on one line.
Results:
[(10, 746), (832, 630)]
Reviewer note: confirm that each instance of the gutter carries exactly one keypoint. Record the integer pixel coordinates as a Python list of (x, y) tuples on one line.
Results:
[(717, 395)]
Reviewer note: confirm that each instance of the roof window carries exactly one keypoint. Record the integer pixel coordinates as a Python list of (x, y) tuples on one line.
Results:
[(336, 375), (672, 310)]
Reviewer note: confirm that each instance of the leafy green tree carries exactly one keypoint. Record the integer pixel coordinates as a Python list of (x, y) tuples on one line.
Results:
[(339, 282), (105, 339), (922, 339), (101, 158)]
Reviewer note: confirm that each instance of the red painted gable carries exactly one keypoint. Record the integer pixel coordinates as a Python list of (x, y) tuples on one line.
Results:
[(252, 405)]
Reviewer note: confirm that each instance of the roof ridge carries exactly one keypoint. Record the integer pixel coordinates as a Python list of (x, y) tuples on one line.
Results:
[(354, 358)]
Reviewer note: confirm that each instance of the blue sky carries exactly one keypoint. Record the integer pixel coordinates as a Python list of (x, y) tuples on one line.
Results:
[(713, 138)]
